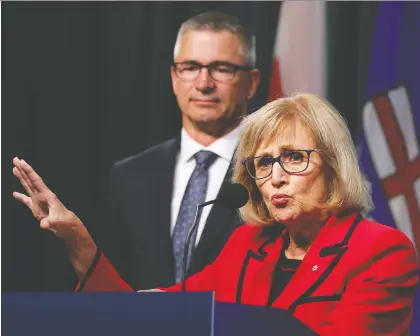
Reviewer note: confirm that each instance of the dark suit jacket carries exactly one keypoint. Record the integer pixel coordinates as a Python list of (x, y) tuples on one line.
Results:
[(358, 278), (135, 236)]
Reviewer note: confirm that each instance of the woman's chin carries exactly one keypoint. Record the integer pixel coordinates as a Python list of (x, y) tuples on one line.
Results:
[(284, 216)]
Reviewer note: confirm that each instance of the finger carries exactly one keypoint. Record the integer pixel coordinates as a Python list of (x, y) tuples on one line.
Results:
[(23, 182), (23, 199), (18, 165), (31, 189), (35, 181)]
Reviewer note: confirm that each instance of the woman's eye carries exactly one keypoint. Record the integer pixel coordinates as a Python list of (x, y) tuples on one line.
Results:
[(264, 162), (294, 157)]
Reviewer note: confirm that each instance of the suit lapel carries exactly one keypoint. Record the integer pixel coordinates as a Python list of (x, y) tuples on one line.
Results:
[(160, 219), (319, 261)]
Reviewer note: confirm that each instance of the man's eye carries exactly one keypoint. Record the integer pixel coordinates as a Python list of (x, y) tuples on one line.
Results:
[(189, 68), (225, 69)]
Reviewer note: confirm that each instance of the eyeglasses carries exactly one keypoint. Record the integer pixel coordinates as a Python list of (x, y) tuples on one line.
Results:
[(219, 71), (292, 161)]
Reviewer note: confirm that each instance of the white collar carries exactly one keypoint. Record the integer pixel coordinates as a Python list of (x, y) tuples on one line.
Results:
[(223, 147)]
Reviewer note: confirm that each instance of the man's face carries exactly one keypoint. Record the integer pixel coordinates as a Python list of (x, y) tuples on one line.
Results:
[(204, 101)]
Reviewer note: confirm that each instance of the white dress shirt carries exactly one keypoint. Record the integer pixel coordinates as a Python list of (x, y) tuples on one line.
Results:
[(185, 164)]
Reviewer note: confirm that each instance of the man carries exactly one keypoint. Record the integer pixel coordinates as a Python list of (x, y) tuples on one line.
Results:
[(154, 194)]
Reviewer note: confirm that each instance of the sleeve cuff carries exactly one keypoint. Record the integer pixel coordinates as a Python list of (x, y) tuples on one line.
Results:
[(90, 270)]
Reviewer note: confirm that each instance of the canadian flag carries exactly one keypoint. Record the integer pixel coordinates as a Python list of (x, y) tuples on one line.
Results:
[(299, 52)]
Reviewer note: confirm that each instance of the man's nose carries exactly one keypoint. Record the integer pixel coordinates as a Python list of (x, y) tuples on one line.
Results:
[(204, 82)]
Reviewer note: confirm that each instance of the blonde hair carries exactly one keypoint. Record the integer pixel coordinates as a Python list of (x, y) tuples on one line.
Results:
[(348, 188)]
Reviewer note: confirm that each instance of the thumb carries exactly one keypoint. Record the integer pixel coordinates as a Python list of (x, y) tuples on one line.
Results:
[(45, 223)]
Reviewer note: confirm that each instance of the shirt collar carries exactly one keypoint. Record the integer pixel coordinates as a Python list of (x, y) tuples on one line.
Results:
[(223, 147)]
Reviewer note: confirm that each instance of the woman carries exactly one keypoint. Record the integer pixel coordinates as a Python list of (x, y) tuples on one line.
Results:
[(307, 248)]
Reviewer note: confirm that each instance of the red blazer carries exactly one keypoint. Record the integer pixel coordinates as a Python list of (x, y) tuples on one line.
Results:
[(358, 278)]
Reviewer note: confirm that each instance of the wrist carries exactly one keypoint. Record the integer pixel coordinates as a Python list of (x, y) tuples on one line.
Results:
[(82, 250)]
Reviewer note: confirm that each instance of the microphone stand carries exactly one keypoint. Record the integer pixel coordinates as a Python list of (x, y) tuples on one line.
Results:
[(187, 242)]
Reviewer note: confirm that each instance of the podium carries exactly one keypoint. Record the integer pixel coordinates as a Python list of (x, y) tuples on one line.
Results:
[(150, 313)]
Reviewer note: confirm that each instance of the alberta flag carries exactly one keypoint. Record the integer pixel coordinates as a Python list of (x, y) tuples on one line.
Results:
[(391, 122)]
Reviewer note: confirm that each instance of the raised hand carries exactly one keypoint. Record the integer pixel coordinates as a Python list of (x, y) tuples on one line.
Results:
[(55, 217), (43, 203)]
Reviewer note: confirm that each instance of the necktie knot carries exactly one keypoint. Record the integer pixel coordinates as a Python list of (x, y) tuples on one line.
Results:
[(204, 158)]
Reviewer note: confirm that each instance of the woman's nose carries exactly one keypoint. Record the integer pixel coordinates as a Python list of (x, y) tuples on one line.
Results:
[(278, 175)]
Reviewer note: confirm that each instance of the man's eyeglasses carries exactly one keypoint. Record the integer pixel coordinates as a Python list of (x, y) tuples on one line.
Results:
[(292, 161), (219, 71)]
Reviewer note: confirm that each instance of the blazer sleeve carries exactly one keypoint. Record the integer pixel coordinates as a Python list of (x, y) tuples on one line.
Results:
[(378, 299), (102, 277)]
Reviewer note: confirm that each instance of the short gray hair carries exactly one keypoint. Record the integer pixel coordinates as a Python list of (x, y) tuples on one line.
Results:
[(216, 22)]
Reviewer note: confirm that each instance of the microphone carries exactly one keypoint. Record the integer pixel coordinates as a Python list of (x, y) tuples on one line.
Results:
[(232, 196)]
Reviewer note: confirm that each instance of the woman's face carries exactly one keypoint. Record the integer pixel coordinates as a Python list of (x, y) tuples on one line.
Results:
[(294, 198)]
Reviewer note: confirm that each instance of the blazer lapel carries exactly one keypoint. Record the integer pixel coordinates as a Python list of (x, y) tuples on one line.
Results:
[(257, 271), (319, 261)]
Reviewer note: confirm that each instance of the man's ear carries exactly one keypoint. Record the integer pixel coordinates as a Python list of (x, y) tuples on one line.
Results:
[(254, 76), (174, 79)]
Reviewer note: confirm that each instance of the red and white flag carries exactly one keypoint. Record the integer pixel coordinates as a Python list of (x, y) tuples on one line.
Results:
[(300, 50)]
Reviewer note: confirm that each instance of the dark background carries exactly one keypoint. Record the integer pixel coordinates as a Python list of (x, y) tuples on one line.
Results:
[(87, 83)]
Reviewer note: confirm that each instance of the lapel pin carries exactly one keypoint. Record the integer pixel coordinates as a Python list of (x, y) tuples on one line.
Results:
[(315, 268)]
